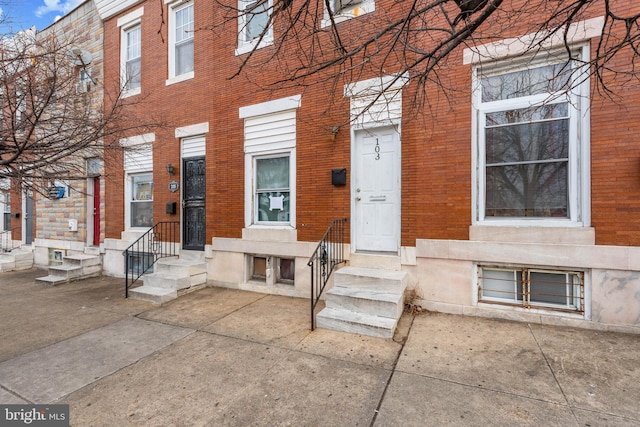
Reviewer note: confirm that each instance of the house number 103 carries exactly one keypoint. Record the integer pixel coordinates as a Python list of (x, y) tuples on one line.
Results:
[(377, 149)]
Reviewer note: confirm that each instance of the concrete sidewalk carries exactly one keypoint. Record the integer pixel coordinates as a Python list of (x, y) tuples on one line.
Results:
[(225, 357)]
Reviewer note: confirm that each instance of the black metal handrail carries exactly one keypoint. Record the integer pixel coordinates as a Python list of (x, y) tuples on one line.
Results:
[(328, 254), (160, 241)]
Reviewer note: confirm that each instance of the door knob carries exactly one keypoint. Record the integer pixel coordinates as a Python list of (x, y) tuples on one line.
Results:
[(358, 199)]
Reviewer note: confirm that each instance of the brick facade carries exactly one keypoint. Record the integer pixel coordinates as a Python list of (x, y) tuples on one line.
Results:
[(436, 154)]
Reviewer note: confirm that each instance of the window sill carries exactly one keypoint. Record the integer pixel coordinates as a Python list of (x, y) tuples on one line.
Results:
[(180, 78), (349, 13), (249, 46), (533, 234), (132, 92)]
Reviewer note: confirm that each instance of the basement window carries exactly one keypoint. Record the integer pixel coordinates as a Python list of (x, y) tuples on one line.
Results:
[(555, 290), (272, 270)]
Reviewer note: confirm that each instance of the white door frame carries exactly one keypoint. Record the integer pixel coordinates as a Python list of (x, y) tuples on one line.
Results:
[(354, 185)]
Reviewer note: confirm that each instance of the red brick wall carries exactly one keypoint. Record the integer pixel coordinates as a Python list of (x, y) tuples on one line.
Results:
[(436, 139)]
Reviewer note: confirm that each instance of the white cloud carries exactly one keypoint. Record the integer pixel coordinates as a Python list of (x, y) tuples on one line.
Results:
[(57, 6)]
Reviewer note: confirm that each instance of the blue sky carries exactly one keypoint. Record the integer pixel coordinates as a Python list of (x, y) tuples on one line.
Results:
[(20, 14)]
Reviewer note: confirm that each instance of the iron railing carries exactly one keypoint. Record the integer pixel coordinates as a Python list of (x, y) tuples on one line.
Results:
[(6, 240), (160, 241), (328, 254)]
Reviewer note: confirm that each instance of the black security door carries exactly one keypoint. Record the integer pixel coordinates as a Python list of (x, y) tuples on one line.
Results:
[(193, 203)]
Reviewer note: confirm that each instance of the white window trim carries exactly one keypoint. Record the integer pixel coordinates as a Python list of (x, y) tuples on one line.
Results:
[(576, 33), (250, 190), (174, 5), (128, 197), (192, 130), (349, 12), (579, 187), (270, 107), (123, 59), (131, 18), (244, 46), (125, 23)]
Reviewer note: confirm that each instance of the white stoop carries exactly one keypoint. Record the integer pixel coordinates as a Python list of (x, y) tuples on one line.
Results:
[(74, 267), (171, 278), (17, 259), (366, 301)]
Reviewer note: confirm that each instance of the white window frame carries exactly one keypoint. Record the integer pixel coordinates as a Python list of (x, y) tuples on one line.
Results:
[(5, 206), (130, 176), (579, 142), (351, 9), (174, 8), (256, 211), (126, 24), (245, 46)]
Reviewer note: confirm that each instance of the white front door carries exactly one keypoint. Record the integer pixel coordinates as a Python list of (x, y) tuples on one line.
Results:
[(376, 190)]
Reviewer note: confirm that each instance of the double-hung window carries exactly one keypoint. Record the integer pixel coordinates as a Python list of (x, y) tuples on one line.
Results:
[(272, 189), (254, 27), (532, 138), (5, 211), (132, 46), (141, 200), (181, 27)]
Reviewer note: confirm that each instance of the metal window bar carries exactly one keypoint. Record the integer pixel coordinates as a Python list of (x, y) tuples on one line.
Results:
[(328, 255), (160, 241), (535, 292)]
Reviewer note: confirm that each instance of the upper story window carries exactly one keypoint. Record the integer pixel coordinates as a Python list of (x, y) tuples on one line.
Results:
[(132, 58), (131, 51), (342, 10), (181, 31), (532, 133), (254, 29)]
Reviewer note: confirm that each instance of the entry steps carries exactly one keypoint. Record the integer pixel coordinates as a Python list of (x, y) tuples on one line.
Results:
[(17, 259), (74, 267), (171, 278), (366, 301)]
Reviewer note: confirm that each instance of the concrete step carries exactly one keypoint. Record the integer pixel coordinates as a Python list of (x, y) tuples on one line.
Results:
[(174, 280), (386, 302), (356, 323), (153, 294), (17, 259), (180, 266), (364, 300), (51, 280), (7, 265), (370, 277), (82, 260)]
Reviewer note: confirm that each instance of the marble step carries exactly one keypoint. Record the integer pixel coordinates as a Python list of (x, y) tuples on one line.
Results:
[(357, 323)]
